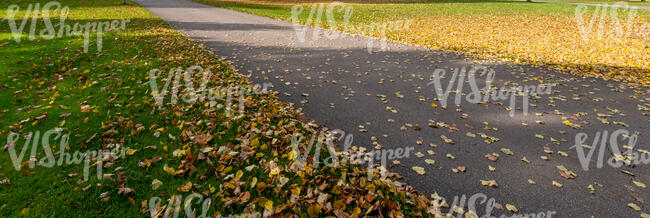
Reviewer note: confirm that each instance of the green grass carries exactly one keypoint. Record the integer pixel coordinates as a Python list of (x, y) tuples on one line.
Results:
[(368, 11), (30, 72), (56, 77), (634, 3)]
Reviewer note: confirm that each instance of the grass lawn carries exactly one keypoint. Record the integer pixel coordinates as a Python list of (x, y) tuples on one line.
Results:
[(103, 100), (533, 33), (634, 3)]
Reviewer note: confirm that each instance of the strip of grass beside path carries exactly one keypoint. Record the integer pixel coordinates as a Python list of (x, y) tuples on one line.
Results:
[(242, 163)]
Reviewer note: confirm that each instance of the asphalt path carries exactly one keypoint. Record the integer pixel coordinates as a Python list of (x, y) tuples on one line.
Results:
[(384, 94)]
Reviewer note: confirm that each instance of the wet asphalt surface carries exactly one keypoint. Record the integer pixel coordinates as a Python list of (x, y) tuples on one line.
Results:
[(341, 85)]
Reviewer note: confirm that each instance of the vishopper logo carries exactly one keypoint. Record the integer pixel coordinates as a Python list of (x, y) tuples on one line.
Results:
[(600, 142), (350, 154), (605, 21), (176, 204), (48, 161), (458, 207), (486, 94), (33, 12), (173, 207), (316, 16), (201, 93)]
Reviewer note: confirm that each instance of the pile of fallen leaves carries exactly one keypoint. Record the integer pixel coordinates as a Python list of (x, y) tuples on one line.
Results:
[(259, 172)]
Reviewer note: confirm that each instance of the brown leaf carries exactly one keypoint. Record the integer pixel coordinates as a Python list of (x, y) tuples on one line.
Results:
[(124, 190), (491, 157), (636, 197), (202, 139), (245, 197)]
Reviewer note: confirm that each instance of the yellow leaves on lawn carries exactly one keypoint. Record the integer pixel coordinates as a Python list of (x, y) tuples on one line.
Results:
[(550, 40)]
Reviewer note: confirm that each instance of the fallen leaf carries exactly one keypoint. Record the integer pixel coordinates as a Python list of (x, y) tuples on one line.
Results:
[(639, 184), (185, 187), (419, 170), (490, 183), (557, 184), (634, 206), (155, 184)]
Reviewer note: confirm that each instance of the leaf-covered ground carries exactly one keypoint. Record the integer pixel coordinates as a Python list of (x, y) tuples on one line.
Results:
[(533, 33), (243, 163)]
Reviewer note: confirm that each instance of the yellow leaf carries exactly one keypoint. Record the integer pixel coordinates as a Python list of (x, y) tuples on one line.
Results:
[(155, 184), (491, 183), (419, 170), (507, 151), (512, 208), (292, 155), (130, 151), (557, 184), (313, 210), (186, 187), (268, 205), (169, 170), (634, 206), (239, 174), (641, 185), (295, 191)]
